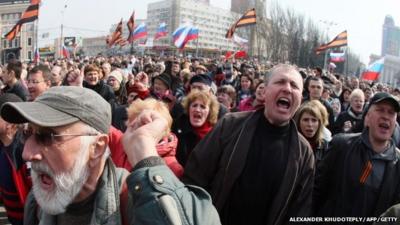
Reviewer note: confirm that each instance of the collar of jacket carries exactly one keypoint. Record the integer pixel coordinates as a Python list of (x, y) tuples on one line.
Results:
[(388, 155), (353, 115), (106, 208)]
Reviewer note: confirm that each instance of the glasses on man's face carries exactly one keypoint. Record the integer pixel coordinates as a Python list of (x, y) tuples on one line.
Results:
[(34, 81), (48, 138)]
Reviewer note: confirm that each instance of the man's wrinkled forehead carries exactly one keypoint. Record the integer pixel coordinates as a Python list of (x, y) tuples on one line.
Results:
[(288, 72)]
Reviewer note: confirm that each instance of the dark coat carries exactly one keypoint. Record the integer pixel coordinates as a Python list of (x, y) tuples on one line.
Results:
[(347, 115), (18, 89), (102, 89), (187, 138), (219, 159), (341, 187)]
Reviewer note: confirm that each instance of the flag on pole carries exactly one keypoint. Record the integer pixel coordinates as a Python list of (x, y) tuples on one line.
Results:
[(161, 31), (249, 18), (36, 57), (65, 52), (337, 57), (184, 34), (339, 41), (115, 36), (131, 26), (30, 15), (140, 32), (373, 70)]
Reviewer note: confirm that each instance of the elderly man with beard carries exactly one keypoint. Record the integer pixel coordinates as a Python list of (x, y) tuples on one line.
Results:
[(256, 166), (359, 177), (74, 179)]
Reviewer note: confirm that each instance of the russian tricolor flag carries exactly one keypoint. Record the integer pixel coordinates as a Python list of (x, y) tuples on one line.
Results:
[(65, 52), (140, 31), (337, 57), (161, 31), (184, 34), (36, 57), (373, 70)]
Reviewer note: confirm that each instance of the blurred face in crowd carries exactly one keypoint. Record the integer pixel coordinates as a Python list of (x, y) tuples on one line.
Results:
[(92, 77), (354, 82), (308, 125), (315, 88), (59, 165), (224, 99), (260, 92), (7, 76), (131, 97), (346, 96), (200, 86), (381, 121), (326, 94), (198, 112), (37, 85), (114, 83), (159, 88), (245, 83), (367, 94), (56, 78), (175, 68), (357, 103), (106, 67), (282, 95), (336, 108), (338, 85)]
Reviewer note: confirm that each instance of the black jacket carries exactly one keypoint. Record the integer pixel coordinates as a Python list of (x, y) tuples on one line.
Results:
[(187, 138), (344, 188), (347, 115), (218, 160)]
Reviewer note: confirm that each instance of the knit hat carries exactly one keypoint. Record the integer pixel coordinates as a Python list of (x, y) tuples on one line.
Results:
[(117, 75), (201, 78), (165, 78)]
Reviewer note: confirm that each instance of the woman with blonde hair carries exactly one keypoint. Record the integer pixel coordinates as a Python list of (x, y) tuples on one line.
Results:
[(311, 120), (201, 114), (166, 148)]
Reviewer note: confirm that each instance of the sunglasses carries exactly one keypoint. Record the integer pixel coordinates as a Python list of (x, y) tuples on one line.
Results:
[(48, 138)]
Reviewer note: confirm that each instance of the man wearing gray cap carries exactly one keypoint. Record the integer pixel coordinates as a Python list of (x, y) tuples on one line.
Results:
[(359, 177), (74, 179)]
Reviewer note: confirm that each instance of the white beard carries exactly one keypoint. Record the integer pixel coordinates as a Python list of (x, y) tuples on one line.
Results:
[(67, 184)]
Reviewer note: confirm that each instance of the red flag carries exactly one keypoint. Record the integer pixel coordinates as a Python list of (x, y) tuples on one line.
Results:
[(240, 54), (228, 55), (131, 27)]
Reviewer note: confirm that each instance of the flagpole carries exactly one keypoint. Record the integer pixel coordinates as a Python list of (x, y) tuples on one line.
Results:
[(36, 48), (347, 62), (326, 58)]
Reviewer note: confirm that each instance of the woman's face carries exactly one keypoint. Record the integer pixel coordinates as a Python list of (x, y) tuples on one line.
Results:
[(260, 92), (308, 125), (357, 104), (198, 113), (245, 83)]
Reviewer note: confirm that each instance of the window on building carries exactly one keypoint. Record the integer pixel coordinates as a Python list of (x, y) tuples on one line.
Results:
[(29, 41), (4, 43), (16, 42), (10, 44), (30, 55)]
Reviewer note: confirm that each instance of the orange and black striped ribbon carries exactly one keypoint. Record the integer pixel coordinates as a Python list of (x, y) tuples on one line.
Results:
[(339, 41), (116, 35), (249, 18), (30, 15), (131, 27), (366, 172)]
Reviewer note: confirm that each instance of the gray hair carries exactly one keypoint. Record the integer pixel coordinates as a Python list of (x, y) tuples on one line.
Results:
[(277, 69)]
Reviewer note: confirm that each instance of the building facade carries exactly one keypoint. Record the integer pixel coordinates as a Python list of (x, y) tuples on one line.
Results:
[(22, 47), (390, 38), (212, 22)]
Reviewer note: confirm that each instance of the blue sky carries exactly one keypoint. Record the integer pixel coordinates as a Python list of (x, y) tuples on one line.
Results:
[(362, 19)]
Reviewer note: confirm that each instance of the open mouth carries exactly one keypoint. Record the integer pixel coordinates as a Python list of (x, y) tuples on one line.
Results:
[(46, 181), (283, 103), (384, 126)]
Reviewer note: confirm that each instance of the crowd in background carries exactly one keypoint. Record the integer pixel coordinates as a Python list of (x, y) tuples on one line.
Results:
[(192, 93)]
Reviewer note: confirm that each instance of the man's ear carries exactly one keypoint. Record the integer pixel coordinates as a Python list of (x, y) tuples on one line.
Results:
[(98, 149)]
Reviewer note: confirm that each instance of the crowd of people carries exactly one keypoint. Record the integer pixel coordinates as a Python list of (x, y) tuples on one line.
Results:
[(193, 141)]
